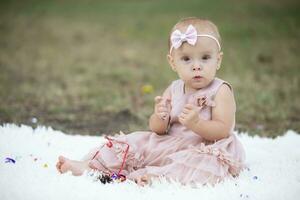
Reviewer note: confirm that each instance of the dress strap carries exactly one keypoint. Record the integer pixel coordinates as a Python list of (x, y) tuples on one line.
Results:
[(177, 89), (217, 83)]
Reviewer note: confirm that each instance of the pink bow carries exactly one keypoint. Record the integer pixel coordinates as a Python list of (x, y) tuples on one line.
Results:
[(177, 38), (203, 100)]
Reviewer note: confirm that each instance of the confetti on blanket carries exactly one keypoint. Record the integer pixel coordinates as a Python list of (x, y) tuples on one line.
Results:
[(28, 157)]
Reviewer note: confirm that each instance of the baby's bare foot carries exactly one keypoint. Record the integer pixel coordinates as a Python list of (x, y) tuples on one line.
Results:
[(76, 167), (144, 180)]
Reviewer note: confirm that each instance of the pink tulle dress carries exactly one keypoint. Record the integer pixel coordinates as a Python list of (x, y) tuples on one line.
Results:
[(181, 154)]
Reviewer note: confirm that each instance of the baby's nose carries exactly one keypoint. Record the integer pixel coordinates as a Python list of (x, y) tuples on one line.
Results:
[(196, 67)]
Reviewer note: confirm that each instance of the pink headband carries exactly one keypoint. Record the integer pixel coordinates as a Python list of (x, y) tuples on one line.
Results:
[(190, 36)]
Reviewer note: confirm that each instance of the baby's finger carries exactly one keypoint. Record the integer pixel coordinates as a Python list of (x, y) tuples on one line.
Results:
[(186, 111), (161, 104), (181, 119), (189, 106), (182, 115), (162, 109), (162, 116), (168, 104), (158, 99), (165, 114), (58, 165)]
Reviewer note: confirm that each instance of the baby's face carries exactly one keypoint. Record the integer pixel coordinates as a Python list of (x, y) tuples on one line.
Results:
[(196, 65)]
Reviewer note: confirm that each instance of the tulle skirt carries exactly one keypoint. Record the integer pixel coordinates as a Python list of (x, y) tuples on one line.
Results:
[(189, 160)]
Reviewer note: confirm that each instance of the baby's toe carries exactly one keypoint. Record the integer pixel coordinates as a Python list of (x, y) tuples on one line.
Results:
[(142, 180), (62, 159), (58, 165), (66, 166)]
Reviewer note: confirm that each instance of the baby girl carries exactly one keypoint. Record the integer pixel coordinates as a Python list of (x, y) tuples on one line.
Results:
[(191, 138)]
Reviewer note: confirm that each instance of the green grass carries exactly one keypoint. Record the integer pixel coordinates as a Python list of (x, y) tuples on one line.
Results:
[(79, 65)]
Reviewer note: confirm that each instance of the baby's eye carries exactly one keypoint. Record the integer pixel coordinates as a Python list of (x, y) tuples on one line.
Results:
[(185, 58), (206, 57)]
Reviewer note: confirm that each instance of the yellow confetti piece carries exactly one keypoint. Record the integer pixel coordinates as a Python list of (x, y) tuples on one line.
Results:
[(45, 165), (147, 89)]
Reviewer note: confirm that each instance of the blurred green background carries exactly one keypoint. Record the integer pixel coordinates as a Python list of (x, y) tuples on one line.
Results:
[(80, 66)]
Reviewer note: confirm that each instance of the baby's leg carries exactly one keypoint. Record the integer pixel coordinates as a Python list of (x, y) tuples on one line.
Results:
[(76, 167)]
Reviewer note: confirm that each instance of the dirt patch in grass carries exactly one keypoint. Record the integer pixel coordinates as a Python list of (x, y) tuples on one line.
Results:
[(82, 122)]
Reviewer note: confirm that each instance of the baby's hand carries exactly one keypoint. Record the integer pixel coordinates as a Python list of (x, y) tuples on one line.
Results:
[(162, 107), (189, 116)]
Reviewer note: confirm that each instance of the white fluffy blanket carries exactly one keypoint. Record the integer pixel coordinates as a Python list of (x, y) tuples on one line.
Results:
[(274, 170)]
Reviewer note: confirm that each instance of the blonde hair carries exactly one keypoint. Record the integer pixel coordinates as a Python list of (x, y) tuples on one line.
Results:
[(203, 26)]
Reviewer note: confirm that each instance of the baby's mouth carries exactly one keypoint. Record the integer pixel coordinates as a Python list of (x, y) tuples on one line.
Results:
[(197, 77)]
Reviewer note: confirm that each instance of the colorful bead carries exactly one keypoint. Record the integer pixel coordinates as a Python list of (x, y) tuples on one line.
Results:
[(109, 144)]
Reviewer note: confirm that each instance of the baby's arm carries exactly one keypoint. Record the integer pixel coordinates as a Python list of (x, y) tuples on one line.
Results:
[(223, 116), (157, 122)]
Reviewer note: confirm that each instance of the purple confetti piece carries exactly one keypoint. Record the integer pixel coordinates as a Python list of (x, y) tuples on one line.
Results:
[(9, 160), (114, 176)]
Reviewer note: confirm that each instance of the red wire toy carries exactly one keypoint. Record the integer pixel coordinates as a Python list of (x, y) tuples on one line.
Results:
[(112, 176)]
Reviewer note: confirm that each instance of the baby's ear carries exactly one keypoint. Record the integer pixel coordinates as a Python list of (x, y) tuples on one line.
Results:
[(220, 59), (171, 62)]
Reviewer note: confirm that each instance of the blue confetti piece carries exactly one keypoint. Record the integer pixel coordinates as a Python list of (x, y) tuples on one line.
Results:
[(255, 177), (9, 160), (114, 176)]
